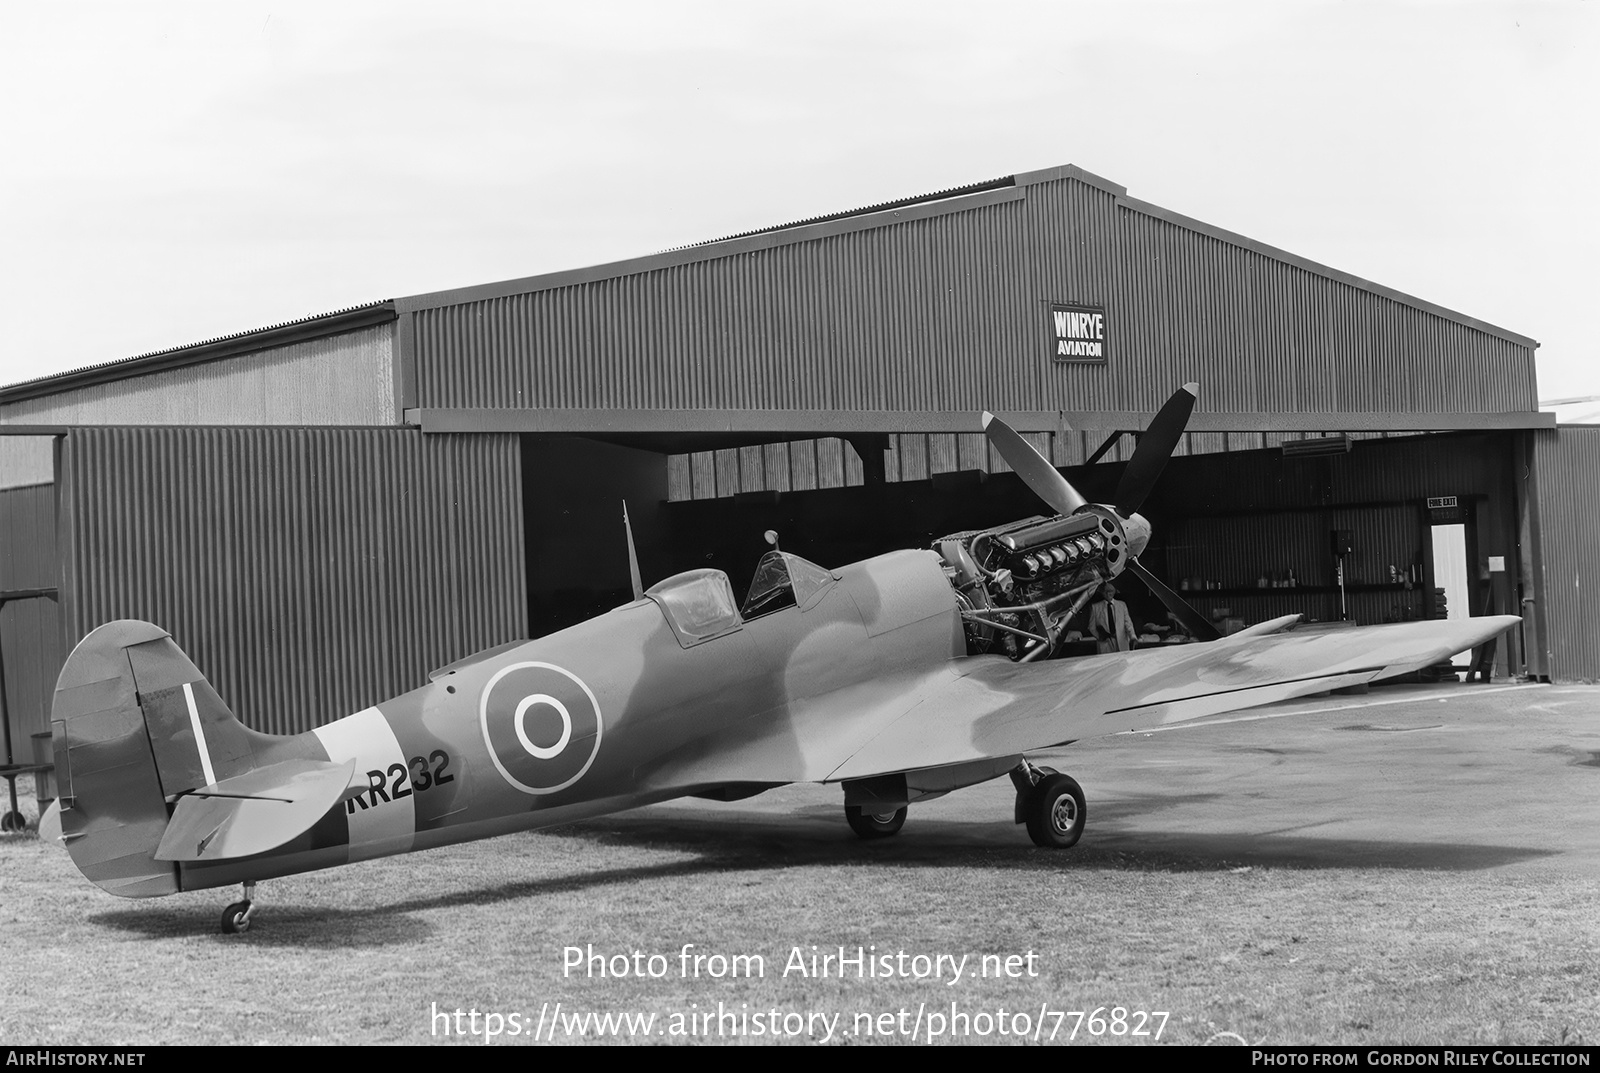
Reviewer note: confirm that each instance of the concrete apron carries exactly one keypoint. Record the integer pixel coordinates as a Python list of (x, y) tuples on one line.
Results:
[(1440, 777)]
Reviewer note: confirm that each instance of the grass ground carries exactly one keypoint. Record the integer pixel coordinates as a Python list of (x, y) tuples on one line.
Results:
[(365, 954)]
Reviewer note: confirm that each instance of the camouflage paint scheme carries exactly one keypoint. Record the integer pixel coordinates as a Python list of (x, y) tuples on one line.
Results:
[(862, 680)]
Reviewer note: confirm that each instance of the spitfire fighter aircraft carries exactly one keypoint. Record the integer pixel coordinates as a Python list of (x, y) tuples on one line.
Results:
[(899, 678)]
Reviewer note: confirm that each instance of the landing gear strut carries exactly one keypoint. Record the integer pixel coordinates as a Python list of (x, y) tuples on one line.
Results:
[(1051, 804), (236, 918)]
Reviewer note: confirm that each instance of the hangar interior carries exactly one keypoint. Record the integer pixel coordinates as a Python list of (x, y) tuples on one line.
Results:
[(324, 511)]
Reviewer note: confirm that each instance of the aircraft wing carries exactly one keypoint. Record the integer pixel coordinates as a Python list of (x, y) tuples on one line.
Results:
[(987, 707), (997, 708)]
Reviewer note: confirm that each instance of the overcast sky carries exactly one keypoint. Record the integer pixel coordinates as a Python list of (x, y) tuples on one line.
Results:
[(178, 171)]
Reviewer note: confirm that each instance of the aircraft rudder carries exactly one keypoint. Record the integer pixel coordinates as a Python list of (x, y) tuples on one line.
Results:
[(194, 735), (135, 724), (113, 811)]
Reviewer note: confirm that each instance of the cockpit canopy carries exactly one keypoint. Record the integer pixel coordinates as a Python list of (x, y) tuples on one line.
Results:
[(783, 580), (699, 605)]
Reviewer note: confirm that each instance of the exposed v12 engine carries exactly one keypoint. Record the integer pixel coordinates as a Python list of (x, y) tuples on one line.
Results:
[(1019, 585)]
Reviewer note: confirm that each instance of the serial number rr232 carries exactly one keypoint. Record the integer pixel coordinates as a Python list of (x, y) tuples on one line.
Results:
[(391, 785)]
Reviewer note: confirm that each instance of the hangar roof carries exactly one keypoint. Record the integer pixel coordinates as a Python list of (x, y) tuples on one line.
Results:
[(1185, 257), (223, 346), (872, 216)]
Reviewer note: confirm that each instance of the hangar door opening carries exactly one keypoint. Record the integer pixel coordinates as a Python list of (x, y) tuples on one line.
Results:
[(573, 491), (1419, 524)]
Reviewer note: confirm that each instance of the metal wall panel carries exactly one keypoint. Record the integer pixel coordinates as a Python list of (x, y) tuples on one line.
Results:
[(30, 632), (915, 457), (308, 572), (1568, 467), (1374, 471), (869, 319), (796, 466), (1262, 334), (948, 312), (26, 460), (28, 537), (346, 379), (1239, 554)]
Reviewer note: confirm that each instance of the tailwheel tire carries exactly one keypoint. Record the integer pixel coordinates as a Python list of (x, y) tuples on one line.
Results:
[(235, 918), (874, 824), (1056, 812)]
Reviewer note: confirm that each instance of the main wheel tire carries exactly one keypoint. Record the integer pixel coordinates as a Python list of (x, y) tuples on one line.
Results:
[(13, 822), (874, 824), (234, 918), (1056, 812)]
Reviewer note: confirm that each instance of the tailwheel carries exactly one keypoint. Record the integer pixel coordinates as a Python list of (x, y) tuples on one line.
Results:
[(236, 918), (869, 824), (1054, 811)]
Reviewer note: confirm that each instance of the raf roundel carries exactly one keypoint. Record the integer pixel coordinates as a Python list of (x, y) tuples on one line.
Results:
[(542, 725)]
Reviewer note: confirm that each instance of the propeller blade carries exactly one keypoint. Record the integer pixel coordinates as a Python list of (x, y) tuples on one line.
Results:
[(1034, 469), (1155, 447), (1198, 626)]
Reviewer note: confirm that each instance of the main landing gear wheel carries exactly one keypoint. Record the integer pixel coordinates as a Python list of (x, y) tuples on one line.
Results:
[(1055, 812), (13, 822), (874, 824)]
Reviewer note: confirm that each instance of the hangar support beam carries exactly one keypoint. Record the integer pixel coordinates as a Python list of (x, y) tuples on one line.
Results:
[(848, 423)]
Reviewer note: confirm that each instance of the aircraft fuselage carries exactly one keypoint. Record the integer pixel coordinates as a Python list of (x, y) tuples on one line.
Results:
[(609, 714)]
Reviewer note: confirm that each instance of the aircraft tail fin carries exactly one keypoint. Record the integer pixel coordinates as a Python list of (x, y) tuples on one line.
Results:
[(136, 724)]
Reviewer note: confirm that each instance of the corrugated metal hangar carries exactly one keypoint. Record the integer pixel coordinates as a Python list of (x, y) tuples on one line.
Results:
[(324, 511)]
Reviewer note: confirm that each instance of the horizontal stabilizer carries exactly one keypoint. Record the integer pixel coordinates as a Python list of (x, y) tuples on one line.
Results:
[(254, 812)]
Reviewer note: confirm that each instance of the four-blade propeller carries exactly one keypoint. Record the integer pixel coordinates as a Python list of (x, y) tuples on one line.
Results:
[(1155, 447), (1143, 470)]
